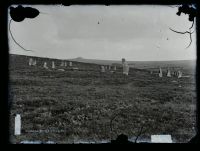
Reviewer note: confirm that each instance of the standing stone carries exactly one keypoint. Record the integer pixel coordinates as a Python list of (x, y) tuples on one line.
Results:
[(160, 73), (30, 63), (18, 124), (70, 64), (102, 69), (115, 68), (65, 64), (45, 65), (109, 67), (53, 65), (125, 67), (168, 73), (179, 74)]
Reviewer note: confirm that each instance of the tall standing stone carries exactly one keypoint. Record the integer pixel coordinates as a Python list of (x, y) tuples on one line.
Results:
[(30, 63), (45, 65), (125, 67), (53, 65), (65, 64), (160, 73), (115, 68), (168, 73), (102, 69), (179, 74), (70, 64)]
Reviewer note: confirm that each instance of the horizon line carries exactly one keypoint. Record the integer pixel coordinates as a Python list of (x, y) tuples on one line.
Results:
[(103, 59)]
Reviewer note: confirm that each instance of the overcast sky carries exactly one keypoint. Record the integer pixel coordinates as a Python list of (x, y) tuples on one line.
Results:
[(134, 32)]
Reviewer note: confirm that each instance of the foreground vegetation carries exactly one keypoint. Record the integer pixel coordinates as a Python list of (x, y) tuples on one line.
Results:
[(79, 105)]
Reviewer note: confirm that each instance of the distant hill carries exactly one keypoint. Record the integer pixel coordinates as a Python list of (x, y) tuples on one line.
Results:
[(96, 61), (182, 64), (142, 64)]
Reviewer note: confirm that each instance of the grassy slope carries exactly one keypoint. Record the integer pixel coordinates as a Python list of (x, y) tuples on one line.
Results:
[(79, 104)]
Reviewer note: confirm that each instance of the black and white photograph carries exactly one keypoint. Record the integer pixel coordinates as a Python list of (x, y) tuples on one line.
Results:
[(95, 74)]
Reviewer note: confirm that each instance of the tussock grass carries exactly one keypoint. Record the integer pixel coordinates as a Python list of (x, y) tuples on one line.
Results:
[(79, 105)]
